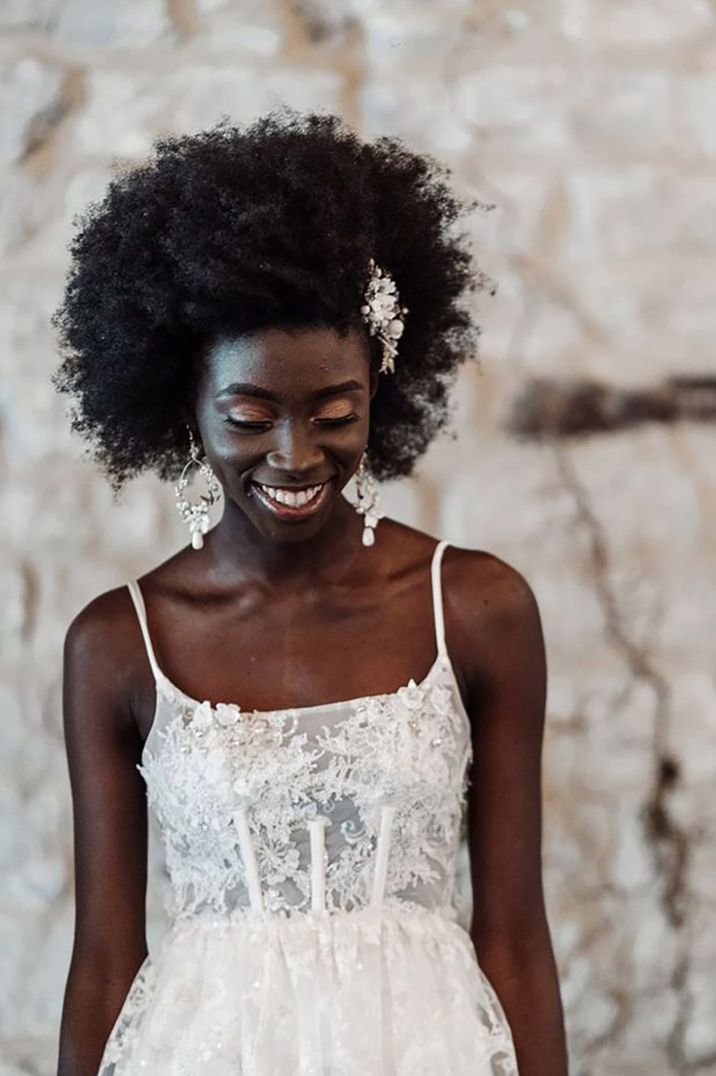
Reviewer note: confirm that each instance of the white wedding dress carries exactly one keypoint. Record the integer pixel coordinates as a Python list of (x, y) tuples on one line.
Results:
[(312, 857)]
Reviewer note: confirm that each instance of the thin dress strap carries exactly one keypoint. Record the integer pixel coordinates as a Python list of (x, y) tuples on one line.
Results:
[(438, 598), (137, 598)]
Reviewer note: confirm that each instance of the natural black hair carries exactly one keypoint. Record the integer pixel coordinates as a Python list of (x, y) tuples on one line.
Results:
[(229, 230)]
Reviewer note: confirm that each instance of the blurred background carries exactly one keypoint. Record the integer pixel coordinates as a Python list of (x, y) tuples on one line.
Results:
[(582, 448)]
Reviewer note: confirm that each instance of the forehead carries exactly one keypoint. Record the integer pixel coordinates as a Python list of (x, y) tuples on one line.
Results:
[(282, 361)]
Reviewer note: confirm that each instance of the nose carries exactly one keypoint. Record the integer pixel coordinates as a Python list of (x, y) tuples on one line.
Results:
[(295, 450)]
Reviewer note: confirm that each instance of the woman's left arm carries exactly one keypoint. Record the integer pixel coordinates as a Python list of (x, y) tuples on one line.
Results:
[(505, 673)]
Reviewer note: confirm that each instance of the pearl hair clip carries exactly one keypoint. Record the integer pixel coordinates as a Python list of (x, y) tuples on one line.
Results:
[(383, 314)]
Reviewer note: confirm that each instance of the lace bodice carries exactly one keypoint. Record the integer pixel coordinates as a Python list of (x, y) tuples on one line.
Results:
[(337, 806)]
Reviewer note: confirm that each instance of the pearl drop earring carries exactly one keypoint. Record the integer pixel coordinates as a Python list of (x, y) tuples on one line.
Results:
[(197, 515), (368, 500)]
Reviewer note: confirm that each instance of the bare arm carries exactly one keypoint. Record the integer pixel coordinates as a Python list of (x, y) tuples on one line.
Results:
[(110, 835), (507, 679)]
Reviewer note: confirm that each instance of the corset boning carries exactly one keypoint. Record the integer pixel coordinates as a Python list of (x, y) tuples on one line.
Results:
[(312, 809)]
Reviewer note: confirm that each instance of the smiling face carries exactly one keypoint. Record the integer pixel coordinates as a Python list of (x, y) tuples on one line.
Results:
[(279, 413)]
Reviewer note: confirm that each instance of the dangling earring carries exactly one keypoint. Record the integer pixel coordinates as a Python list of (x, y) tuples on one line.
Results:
[(197, 515), (368, 499)]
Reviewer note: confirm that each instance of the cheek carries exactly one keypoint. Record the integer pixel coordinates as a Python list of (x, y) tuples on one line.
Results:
[(231, 460), (232, 450)]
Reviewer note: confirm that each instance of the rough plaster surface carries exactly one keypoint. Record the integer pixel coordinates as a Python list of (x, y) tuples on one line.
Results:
[(590, 124)]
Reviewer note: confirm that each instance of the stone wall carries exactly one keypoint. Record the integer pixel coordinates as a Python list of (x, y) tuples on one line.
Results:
[(589, 123)]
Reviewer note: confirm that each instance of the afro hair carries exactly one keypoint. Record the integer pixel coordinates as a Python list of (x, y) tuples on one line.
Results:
[(228, 231)]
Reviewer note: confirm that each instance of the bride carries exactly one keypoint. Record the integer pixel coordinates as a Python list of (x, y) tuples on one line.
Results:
[(313, 699)]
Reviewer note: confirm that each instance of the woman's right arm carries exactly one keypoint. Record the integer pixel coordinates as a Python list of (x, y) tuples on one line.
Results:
[(103, 746)]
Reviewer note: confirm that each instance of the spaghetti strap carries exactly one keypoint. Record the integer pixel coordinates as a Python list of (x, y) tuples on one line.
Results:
[(138, 600), (438, 598)]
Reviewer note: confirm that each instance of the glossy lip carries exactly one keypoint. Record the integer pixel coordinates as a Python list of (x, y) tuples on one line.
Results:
[(285, 511)]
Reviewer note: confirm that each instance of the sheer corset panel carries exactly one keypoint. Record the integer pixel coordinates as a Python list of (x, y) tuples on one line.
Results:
[(341, 806)]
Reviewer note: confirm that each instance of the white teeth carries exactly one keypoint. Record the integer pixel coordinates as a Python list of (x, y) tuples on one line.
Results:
[(285, 496)]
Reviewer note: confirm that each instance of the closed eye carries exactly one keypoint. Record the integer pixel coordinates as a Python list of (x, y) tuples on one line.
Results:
[(342, 421)]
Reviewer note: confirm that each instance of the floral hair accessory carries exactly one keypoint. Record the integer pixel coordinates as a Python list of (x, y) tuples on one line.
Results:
[(383, 314)]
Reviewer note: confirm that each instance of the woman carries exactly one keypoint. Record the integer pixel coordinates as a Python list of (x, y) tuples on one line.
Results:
[(279, 307)]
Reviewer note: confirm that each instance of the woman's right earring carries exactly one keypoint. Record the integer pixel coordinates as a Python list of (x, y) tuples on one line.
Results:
[(368, 500), (197, 515)]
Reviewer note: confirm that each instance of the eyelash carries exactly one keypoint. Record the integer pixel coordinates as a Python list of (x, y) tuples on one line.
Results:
[(260, 426)]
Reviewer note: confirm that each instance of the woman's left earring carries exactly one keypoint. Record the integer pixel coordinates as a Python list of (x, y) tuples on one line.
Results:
[(197, 515), (368, 503)]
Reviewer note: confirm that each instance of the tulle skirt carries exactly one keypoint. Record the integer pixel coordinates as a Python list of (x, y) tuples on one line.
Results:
[(373, 992)]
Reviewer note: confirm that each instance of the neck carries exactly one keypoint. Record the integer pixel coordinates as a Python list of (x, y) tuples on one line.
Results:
[(234, 550)]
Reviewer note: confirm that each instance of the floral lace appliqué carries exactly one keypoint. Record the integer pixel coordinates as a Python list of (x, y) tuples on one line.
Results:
[(211, 767)]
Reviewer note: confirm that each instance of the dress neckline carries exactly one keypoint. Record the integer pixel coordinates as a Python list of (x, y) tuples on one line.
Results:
[(173, 692)]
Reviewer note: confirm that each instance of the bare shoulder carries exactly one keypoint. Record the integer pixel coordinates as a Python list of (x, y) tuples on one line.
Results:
[(104, 655), (478, 587), (482, 584), (491, 613), (409, 547), (97, 629)]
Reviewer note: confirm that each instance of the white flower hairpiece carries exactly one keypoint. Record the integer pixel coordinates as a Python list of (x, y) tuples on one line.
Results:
[(383, 314)]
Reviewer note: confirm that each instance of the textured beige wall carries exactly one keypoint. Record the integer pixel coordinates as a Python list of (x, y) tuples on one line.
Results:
[(590, 124)]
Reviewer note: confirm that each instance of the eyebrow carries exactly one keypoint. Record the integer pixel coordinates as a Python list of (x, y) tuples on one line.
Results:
[(245, 388)]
